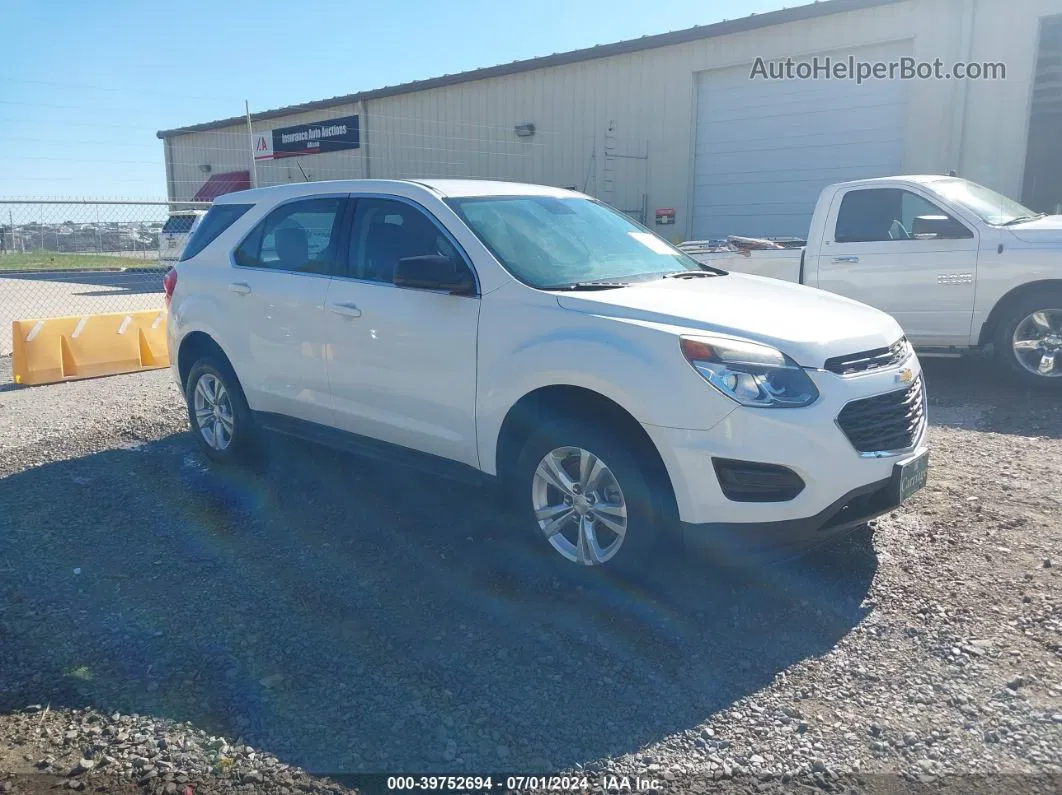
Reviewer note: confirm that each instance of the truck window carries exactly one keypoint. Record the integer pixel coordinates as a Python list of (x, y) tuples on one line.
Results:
[(888, 214), (178, 224)]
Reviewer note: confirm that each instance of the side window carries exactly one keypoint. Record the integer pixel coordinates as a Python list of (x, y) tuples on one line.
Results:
[(299, 236), (386, 231), (887, 214), (922, 219)]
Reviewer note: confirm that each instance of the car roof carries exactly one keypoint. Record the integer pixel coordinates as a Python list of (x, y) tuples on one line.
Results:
[(454, 188), (920, 179), (443, 188)]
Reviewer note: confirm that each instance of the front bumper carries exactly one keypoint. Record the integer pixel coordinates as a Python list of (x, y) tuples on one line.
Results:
[(741, 542), (843, 488)]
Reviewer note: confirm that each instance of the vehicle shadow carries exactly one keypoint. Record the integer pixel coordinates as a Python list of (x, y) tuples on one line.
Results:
[(353, 617), (974, 393)]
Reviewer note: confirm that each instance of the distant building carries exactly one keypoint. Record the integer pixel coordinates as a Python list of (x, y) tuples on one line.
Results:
[(675, 129)]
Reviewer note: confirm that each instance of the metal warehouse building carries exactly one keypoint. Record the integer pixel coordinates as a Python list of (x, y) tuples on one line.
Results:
[(675, 129)]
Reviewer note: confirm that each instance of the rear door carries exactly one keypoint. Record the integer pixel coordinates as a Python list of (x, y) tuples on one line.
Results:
[(874, 252), (402, 363), (276, 293)]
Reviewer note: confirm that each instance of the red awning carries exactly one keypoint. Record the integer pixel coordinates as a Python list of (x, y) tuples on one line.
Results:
[(219, 184)]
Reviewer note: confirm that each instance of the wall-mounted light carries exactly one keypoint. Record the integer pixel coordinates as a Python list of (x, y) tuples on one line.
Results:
[(205, 168), (524, 130)]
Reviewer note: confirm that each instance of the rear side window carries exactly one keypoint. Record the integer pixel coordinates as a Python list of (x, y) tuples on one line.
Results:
[(299, 236), (219, 218), (178, 224)]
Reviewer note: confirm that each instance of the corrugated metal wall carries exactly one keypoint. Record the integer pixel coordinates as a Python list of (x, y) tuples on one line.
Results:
[(766, 149), (588, 114)]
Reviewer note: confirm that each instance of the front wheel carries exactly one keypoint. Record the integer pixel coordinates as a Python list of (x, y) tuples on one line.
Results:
[(1029, 340), (588, 500)]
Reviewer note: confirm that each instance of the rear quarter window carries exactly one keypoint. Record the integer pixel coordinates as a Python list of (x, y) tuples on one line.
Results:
[(219, 218)]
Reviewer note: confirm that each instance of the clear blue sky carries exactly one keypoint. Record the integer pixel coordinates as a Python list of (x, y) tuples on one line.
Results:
[(85, 85)]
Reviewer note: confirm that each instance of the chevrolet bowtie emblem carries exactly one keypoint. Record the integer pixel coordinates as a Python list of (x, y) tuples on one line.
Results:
[(905, 376)]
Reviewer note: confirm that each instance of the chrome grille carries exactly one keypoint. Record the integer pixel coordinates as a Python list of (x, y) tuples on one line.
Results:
[(885, 423), (867, 361)]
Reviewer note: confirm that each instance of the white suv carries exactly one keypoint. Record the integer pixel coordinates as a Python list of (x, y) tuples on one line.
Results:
[(534, 336)]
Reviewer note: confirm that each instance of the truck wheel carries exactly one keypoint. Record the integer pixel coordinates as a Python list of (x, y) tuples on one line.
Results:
[(218, 411), (1029, 340), (587, 500)]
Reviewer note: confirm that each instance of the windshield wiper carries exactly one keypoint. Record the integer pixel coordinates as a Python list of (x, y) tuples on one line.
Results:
[(588, 286), (689, 274), (1023, 218)]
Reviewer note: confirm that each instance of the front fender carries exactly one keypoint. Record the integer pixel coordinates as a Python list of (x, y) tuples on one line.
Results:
[(636, 365)]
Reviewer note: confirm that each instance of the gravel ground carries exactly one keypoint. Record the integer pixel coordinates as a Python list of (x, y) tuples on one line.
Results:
[(178, 626)]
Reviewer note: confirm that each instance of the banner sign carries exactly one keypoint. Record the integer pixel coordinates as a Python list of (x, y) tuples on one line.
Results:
[(333, 135)]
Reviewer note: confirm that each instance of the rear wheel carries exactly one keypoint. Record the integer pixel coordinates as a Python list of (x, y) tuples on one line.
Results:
[(1029, 340), (218, 411), (588, 500)]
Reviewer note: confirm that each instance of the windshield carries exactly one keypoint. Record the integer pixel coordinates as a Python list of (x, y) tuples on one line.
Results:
[(551, 243), (985, 203)]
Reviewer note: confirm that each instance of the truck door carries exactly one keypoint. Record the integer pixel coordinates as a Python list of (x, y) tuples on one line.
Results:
[(896, 250)]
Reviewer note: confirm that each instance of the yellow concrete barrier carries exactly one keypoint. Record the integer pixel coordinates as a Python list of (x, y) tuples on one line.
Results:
[(54, 349)]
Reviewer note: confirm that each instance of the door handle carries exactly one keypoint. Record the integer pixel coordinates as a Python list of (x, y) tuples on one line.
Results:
[(346, 310), (240, 288), (846, 259)]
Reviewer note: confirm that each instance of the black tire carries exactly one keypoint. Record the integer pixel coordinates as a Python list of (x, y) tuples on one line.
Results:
[(1004, 336), (649, 538), (242, 441)]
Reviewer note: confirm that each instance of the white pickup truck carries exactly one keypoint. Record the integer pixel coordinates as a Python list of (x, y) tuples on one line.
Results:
[(957, 264)]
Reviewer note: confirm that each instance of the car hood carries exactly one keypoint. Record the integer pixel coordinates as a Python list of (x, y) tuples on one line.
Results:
[(809, 325), (1043, 230)]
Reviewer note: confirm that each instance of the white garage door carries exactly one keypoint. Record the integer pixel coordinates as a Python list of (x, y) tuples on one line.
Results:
[(765, 148)]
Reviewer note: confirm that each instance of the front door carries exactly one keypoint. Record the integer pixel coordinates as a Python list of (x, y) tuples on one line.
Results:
[(897, 251), (402, 364)]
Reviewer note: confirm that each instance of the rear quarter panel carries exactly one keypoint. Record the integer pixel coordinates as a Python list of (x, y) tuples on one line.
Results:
[(200, 300)]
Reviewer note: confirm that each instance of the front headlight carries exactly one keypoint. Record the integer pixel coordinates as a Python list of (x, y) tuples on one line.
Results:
[(750, 373)]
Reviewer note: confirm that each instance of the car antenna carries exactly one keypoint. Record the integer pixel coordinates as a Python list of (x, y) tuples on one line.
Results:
[(304, 177)]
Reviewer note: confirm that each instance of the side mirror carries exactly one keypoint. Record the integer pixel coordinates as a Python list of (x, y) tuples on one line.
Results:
[(434, 272), (937, 227)]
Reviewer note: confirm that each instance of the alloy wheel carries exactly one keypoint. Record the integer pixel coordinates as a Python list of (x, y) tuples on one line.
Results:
[(213, 412), (579, 506), (1037, 343)]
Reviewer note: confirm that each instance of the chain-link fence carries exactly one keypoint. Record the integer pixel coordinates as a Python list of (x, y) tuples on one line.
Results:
[(67, 256), (83, 256)]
